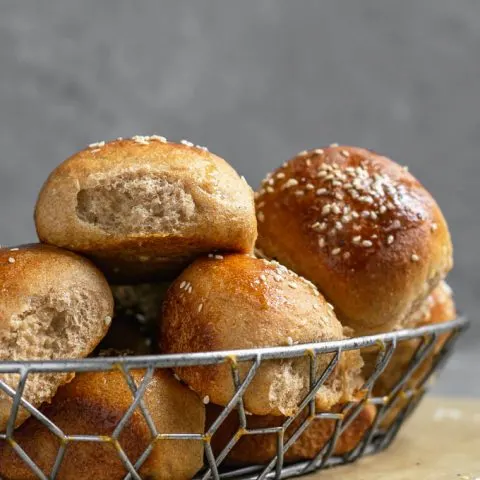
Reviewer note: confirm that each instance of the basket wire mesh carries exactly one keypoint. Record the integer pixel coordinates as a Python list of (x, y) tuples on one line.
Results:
[(435, 342)]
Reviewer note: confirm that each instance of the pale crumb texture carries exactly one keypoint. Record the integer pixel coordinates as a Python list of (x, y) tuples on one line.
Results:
[(131, 202)]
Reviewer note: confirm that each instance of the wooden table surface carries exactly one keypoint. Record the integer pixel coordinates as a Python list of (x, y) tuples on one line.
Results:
[(440, 441)]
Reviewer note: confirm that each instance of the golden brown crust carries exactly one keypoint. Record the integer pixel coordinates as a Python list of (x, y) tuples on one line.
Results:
[(360, 227), (93, 404), (54, 304), (209, 207), (260, 449), (439, 307), (236, 302)]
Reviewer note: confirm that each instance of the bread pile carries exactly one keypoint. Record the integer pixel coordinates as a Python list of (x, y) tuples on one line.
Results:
[(147, 246)]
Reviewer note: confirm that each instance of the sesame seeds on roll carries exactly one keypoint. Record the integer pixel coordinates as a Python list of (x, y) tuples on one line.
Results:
[(360, 227)]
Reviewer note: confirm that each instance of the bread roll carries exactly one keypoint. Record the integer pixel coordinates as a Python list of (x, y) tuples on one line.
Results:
[(144, 208), (261, 448), (361, 228), (238, 302), (93, 404), (54, 305), (439, 307)]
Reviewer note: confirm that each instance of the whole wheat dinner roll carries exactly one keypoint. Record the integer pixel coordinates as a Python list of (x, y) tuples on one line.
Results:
[(262, 448), (439, 307), (93, 404), (53, 305), (144, 208), (237, 302), (361, 228)]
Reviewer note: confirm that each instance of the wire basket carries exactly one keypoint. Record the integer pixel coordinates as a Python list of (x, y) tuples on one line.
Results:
[(432, 344)]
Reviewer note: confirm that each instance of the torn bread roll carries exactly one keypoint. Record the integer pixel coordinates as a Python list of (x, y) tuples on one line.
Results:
[(360, 227), (144, 208), (54, 305), (237, 302)]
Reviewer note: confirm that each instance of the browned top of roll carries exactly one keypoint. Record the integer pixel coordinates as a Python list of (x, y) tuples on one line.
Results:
[(359, 226)]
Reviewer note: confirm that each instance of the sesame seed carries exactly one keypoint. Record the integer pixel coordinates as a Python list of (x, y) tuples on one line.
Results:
[(108, 320), (218, 257), (405, 168), (357, 239), (97, 145), (373, 216), (291, 182), (308, 162), (292, 285), (367, 243), (390, 239), (140, 318), (210, 255), (140, 139), (284, 164), (329, 177), (346, 219), (321, 191), (16, 249), (206, 400), (162, 139), (261, 204), (355, 214), (354, 194), (321, 173), (330, 306), (415, 258), (269, 190), (190, 288), (319, 151), (183, 283), (336, 251), (95, 151), (326, 209), (186, 142), (119, 138), (321, 242), (433, 227), (11, 260), (390, 206), (260, 216), (280, 175), (271, 181), (336, 183), (374, 236), (319, 227), (383, 209), (309, 186), (200, 307), (263, 278), (345, 153), (299, 193), (356, 228), (302, 153), (289, 340), (338, 196), (365, 214), (334, 144), (336, 209), (346, 255), (338, 225)]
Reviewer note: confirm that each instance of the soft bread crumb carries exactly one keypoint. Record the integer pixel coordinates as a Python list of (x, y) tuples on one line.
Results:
[(136, 201)]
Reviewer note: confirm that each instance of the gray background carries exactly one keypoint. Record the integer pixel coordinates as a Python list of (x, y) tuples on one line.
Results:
[(256, 81)]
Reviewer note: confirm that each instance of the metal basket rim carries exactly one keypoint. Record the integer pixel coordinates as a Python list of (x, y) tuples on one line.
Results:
[(206, 358)]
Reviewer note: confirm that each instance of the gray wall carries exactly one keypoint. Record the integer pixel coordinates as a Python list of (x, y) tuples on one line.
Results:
[(256, 81)]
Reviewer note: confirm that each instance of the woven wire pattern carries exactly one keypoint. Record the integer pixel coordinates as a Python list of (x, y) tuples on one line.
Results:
[(435, 342)]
